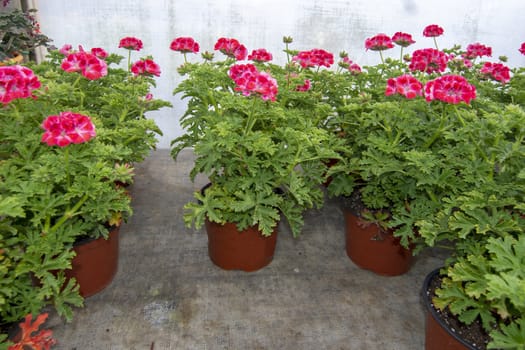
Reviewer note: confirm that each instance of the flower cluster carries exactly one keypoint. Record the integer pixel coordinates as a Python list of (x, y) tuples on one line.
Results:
[(379, 42), (16, 82), (249, 80), (496, 71), (260, 55), (66, 128), (432, 30), (184, 44), (451, 89), (405, 85), (402, 39), (231, 48), (428, 60), (145, 67), (477, 50), (314, 58), (88, 63), (131, 43)]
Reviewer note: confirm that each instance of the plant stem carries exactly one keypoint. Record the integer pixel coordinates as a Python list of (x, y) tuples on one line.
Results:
[(251, 118), (435, 43), (129, 60), (69, 213)]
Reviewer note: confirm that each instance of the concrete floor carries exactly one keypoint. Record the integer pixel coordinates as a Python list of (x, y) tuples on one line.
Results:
[(167, 294)]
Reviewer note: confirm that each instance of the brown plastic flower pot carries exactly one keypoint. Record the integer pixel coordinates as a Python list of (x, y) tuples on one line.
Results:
[(246, 250), (372, 250), (95, 263), (438, 336)]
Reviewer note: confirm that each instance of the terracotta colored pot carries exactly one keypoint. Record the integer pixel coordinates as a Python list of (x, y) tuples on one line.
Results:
[(437, 335), (95, 263), (371, 250), (247, 250)]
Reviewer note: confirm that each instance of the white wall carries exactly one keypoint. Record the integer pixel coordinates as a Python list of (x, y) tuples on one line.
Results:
[(333, 25)]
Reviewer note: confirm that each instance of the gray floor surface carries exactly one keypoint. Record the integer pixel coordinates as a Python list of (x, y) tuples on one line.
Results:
[(167, 294)]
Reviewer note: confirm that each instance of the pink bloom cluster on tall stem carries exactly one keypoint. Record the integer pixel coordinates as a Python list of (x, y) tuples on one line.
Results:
[(131, 43), (451, 89), (314, 58), (88, 64), (432, 30), (428, 60), (184, 45), (231, 48), (66, 128), (249, 80), (496, 71), (17, 82), (478, 50), (379, 42), (403, 39), (145, 67), (260, 55), (405, 85)]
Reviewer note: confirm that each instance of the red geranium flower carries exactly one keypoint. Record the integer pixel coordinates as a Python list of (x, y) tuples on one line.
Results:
[(231, 48), (478, 50), (496, 71), (184, 44), (249, 80), (88, 64), (66, 128), (405, 85), (428, 60), (131, 43), (17, 82), (450, 89), (145, 67), (403, 39), (379, 42), (260, 55), (100, 53), (522, 48), (305, 87), (432, 30), (314, 58)]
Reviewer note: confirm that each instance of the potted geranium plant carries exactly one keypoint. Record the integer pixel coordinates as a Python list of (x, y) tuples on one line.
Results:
[(400, 115), (479, 291), (254, 129), (68, 143)]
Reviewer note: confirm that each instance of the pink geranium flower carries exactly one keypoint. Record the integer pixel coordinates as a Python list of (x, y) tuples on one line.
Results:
[(66, 128), (145, 67), (496, 71), (17, 82), (260, 55), (379, 42), (432, 30), (428, 60), (402, 39), (314, 58), (249, 80), (66, 49), (450, 89), (522, 48), (405, 85), (88, 64), (477, 50), (131, 43), (231, 48), (100, 53), (184, 45)]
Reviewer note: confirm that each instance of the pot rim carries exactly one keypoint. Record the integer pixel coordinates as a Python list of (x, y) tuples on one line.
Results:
[(435, 315)]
